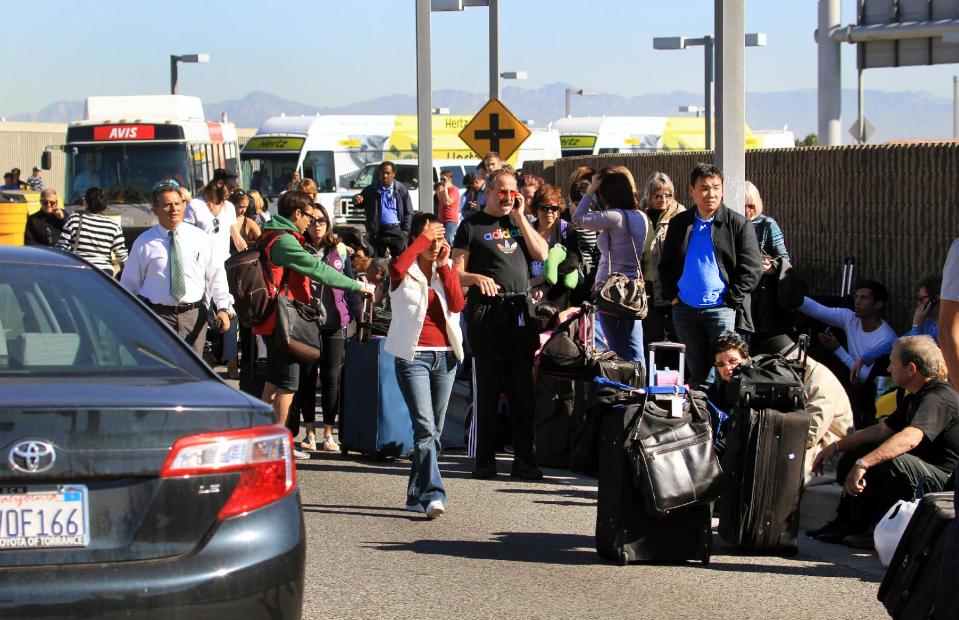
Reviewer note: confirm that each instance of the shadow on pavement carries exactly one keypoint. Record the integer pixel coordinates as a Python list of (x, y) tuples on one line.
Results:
[(819, 570), (535, 547), (566, 492), (363, 511)]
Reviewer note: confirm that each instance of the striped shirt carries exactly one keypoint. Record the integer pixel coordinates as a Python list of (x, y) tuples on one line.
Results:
[(99, 238)]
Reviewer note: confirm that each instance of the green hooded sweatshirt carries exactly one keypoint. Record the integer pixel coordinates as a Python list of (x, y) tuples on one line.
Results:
[(287, 252)]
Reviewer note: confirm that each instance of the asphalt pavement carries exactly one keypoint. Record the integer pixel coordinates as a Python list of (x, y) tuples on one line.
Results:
[(514, 549)]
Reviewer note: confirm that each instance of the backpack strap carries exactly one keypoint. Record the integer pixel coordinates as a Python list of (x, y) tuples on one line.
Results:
[(265, 244)]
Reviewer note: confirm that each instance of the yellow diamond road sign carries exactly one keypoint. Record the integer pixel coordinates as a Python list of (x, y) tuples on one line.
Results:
[(494, 128)]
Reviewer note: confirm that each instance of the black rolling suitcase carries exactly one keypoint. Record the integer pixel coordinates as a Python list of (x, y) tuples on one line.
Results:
[(763, 460), (908, 588), (553, 399), (947, 592), (590, 400), (625, 530)]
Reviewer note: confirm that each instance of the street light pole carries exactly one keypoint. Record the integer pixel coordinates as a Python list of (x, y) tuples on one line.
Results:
[(494, 49), (174, 59), (424, 107), (709, 89), (576, 91), (955, 106)]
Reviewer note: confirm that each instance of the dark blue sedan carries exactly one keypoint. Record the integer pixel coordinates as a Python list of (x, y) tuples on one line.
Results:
[(133, 481)]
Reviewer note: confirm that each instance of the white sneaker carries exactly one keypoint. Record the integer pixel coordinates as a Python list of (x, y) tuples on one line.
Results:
[(301, 456), (417, 507), (434, 509)]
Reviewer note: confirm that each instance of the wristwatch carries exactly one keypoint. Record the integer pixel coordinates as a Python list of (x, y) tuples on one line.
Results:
[(861, 464)]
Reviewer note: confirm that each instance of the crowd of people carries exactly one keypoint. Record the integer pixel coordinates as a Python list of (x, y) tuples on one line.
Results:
[(501, 262)]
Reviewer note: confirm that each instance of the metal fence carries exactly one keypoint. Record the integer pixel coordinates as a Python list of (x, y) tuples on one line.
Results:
[(895, 208)]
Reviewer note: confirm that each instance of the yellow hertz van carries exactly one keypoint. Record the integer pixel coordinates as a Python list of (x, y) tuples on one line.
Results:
[(15, 207)]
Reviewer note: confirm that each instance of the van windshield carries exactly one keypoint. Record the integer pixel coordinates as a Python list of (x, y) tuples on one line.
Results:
[(268, 174), (127, 172), (405, 174)]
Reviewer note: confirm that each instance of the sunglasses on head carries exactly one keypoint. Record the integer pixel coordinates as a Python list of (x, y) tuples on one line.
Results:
[(550, 208)]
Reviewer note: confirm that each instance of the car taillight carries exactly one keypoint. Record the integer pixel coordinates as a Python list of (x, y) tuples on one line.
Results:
[(263, 456)]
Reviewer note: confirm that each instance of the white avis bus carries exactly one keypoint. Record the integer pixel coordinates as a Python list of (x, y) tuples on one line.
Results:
[(127, 144)]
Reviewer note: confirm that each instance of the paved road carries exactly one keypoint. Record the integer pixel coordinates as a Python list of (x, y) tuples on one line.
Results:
[(510, 549)]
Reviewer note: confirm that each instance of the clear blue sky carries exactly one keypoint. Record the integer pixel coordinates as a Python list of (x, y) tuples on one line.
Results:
[(333, 52)]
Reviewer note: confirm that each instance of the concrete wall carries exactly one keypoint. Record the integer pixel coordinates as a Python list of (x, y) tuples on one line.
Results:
[(21, 145), (895, 208)]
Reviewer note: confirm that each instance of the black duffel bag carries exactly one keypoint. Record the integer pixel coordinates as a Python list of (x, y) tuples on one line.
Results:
[(298, 329), (767, 381), (673, 457)]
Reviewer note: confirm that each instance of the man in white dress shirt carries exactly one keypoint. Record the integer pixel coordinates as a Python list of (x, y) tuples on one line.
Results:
[(172, 266)]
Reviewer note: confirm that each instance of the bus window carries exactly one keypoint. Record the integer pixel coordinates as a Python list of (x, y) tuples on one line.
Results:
[(318, 165), (268, 174), (127, 172)]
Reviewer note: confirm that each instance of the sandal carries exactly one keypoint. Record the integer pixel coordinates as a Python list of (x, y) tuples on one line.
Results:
[(329, 444)]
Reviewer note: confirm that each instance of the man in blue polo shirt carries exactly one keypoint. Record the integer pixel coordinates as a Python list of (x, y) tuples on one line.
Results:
[(709, 266)]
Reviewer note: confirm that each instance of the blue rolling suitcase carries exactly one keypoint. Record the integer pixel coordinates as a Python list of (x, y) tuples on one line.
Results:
[(375, 419)]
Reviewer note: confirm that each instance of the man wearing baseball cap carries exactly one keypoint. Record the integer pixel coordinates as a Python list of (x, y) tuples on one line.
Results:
[(35, 181)]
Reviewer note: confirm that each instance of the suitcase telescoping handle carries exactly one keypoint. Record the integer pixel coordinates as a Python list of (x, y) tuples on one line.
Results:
[(848, 269), (666, 346)]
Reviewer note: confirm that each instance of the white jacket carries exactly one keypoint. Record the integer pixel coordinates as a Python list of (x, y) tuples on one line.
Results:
[(408, 304)]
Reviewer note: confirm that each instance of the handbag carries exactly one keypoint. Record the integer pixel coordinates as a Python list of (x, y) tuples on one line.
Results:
[(673, 457), (297, 329), (622, 295), (570, 353)]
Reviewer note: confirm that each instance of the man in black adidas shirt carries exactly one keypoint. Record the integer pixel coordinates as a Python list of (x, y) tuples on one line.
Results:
[(492, 250)]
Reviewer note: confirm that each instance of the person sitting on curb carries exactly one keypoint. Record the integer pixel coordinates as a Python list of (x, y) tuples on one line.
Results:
[(918, 444)]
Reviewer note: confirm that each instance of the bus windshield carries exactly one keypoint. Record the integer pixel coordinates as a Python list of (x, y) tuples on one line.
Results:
[(127, 172), (268, 174)]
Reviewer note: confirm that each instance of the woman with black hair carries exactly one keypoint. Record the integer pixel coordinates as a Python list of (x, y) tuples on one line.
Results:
[(93, 236), (337, 308)]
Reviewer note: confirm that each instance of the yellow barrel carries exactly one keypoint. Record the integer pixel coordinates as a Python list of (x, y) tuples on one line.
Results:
[(13, 221)]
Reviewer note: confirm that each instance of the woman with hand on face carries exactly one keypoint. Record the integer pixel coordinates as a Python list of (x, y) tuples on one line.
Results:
[(337, 308), (426, 340), (622, 226), (552, 280)]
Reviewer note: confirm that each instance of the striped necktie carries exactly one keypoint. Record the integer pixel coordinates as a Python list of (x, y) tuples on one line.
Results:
[(177, 283)]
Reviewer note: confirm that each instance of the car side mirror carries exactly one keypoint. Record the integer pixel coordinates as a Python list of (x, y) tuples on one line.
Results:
[(46, 160)]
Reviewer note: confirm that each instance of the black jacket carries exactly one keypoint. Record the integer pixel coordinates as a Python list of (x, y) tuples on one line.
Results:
[(737, 253), (42, 229), (371, 203)]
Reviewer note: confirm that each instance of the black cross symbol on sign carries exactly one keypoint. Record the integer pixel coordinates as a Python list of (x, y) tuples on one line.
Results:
[(494, 134)]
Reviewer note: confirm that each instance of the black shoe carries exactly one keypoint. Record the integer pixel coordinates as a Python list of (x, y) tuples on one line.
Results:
[(526, 471), (863, 540), (485, 470), (830, 528)]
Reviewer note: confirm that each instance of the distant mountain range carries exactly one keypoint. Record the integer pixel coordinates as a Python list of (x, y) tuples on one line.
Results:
[(895, 115)]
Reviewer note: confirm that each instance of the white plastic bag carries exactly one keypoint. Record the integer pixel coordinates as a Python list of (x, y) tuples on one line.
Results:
[(889, 530)]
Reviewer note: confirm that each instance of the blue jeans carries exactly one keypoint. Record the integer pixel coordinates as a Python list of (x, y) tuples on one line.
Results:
[(450, 228), (697, 328), (623, 336), (426, 382)]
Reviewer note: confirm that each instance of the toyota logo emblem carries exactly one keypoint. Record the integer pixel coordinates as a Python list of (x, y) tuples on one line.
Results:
[(32, 456)]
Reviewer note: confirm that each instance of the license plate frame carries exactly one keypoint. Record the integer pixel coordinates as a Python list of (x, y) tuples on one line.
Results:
[(44, 516)]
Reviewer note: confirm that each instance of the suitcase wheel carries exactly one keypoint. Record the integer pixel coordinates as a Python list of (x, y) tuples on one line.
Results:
[(747, 397), (623, 558), (796, 402)]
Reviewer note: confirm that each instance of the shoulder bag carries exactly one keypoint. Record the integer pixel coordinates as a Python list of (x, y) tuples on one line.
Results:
[(622, 295), (673, 458), (75, 242)]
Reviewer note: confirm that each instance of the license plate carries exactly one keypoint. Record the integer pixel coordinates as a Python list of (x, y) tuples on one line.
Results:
[(39, 517)]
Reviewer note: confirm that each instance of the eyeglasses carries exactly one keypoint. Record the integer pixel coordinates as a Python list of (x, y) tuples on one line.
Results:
[(48, 203), (665, 196), (216, 225), (508, 193), (550, 208)]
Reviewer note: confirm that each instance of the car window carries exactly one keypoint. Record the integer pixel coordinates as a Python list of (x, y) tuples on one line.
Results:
[(71, 321)]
